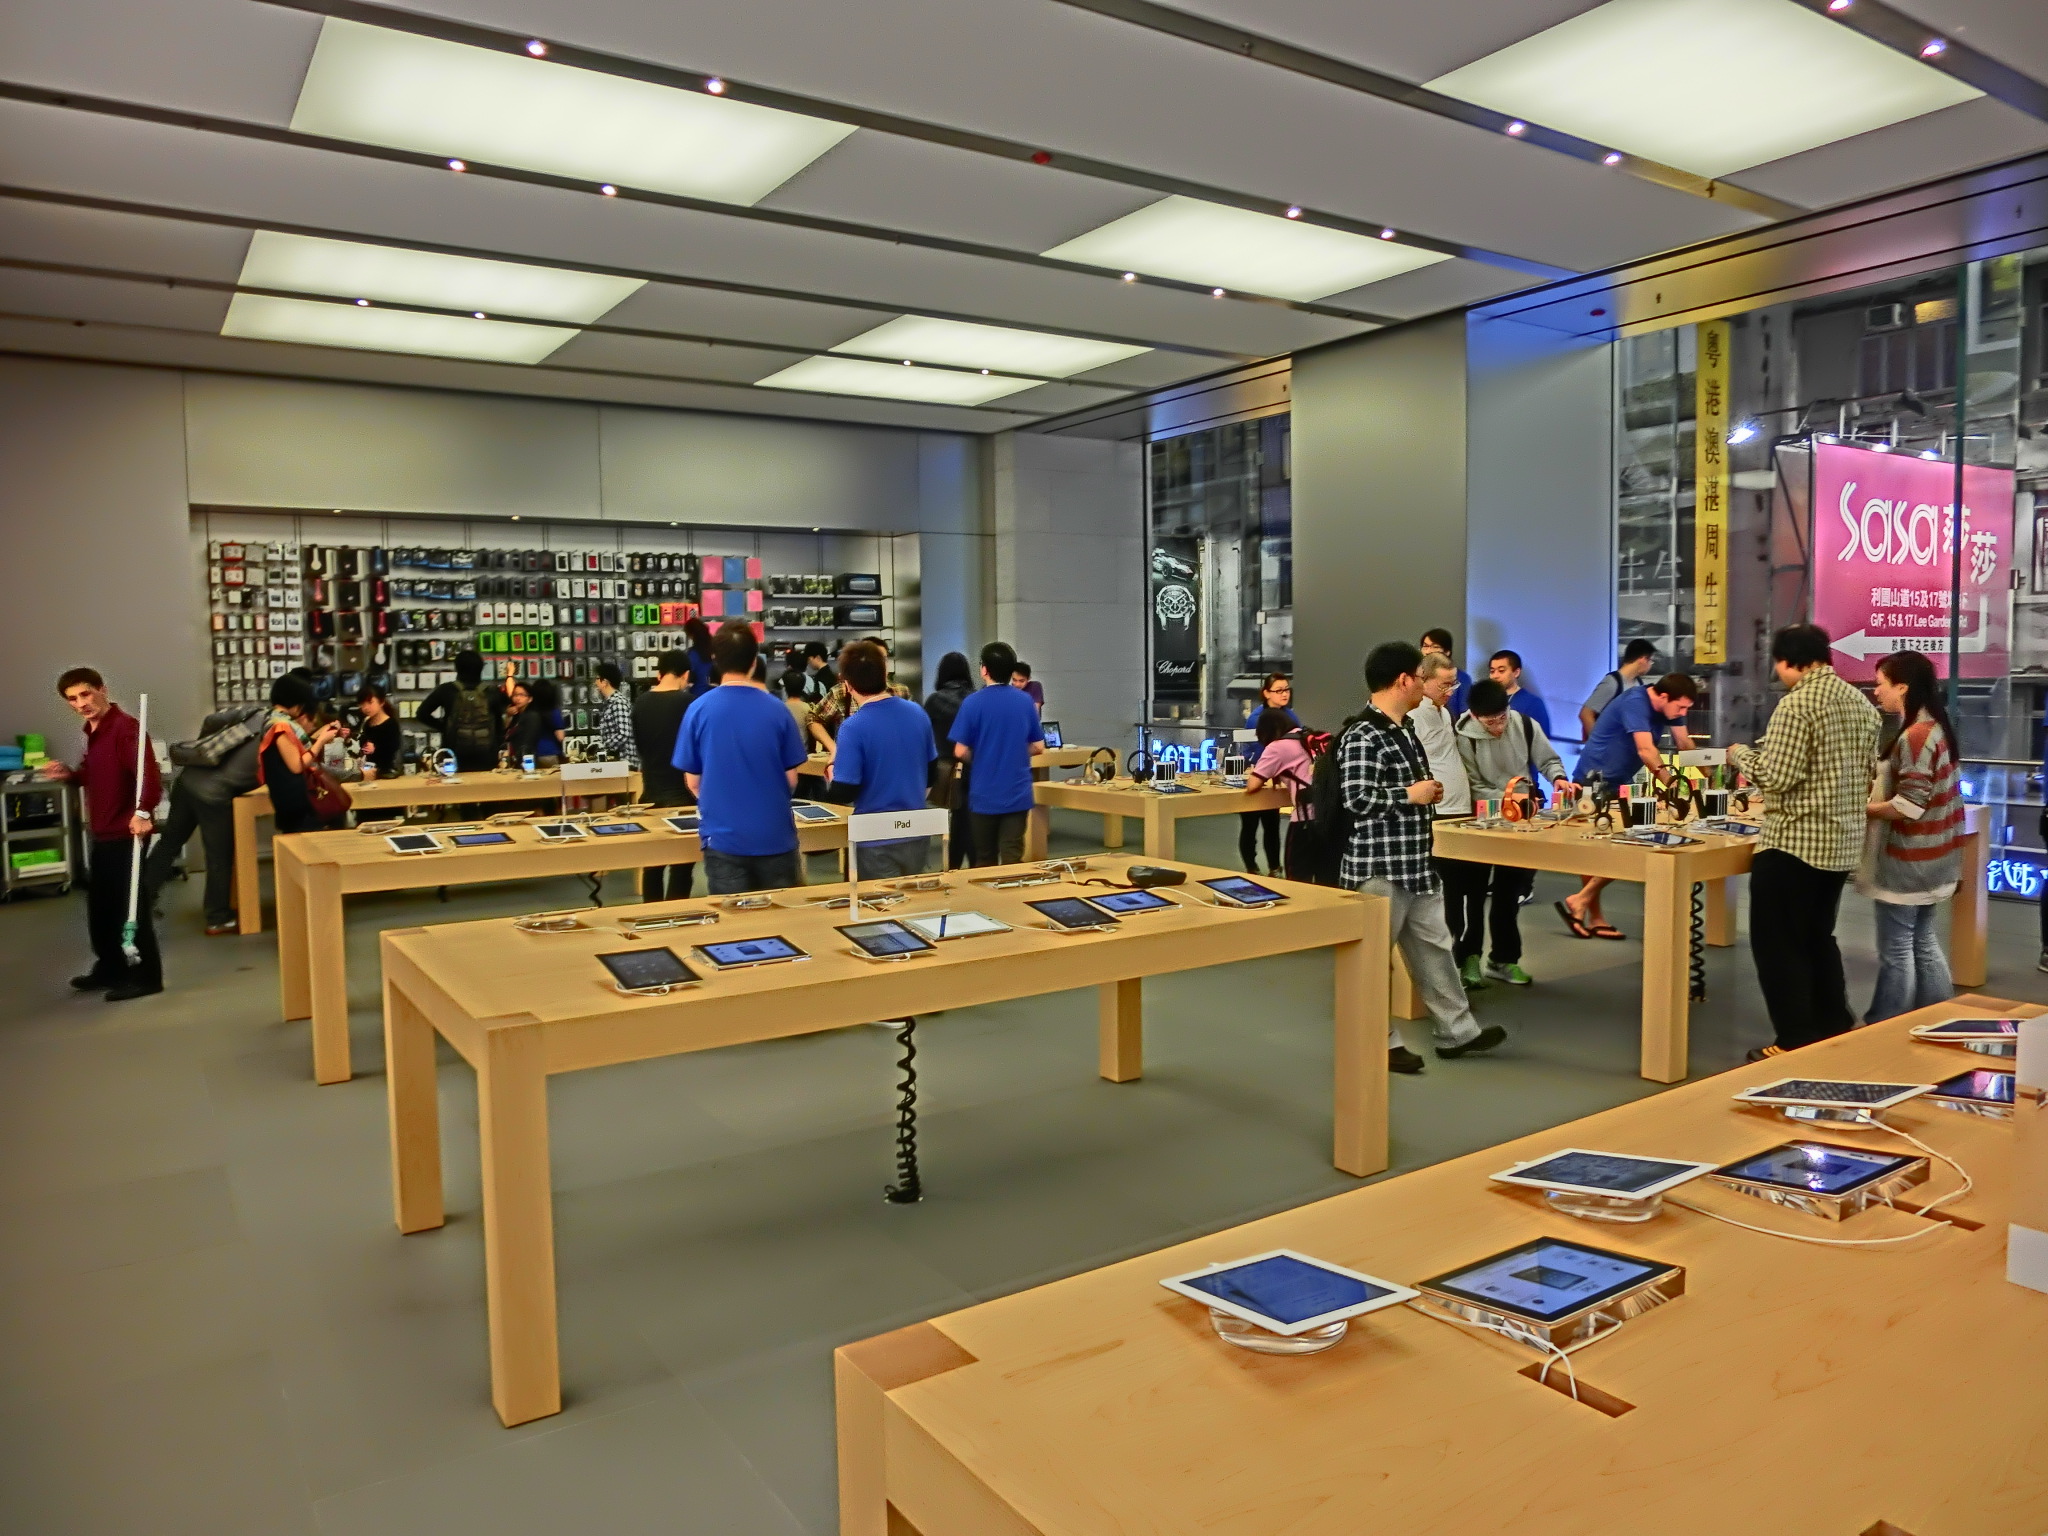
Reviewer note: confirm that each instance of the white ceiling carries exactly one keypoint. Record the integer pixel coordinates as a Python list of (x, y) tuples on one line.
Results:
[(1038, 72)]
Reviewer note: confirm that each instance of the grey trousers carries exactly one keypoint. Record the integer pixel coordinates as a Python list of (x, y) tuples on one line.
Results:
[(1424, 938)]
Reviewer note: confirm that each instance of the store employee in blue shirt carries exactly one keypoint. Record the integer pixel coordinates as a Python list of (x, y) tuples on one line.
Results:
[(883, 760), (997, 731), (1625, 739), (739, 753)]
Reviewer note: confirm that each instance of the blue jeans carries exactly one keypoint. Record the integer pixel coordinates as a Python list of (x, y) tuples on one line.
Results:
[(1912, 972), (891, 861), (733, 874)]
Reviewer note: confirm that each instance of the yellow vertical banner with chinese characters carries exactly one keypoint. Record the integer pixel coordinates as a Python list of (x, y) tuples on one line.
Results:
[(1710, 497)]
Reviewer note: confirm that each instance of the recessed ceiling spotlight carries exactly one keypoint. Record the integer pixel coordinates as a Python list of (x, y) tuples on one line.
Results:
[(1838, 5), (476, 314), (1386, 234), (1130, 277), (365, 303), (515, 517), (1294, 213), (537, 48), (1215, 293), (1042, 157), (1517, 128), (609, 190), (458, 165), (1934, 49), (1612, 157), (715, 86), (907, 363), (984, 372)]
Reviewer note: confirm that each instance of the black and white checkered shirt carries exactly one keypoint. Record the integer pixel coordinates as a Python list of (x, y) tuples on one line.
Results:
[(1390, 839)]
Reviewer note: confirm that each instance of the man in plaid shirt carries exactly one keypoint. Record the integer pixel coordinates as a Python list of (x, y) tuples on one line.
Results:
[(615, 719), (1814, 768), (1387, 789)]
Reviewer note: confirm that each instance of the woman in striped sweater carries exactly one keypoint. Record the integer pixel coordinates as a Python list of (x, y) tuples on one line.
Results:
[(1914, 857)]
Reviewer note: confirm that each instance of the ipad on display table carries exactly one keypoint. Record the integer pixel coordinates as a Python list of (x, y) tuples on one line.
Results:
[(1240, 892), (1053, 740), (1123, 903), (615, 828), (813, 813), (954, 925), (886, 940), (1832, 1094), (647, 970), (1657, 837), (414, 842), (738, 954), (685, 824), (1817, 1167), (559, 831), (1547, 1279), (1287, 1292), (481, 839), (1603, 1173), (1981, 1085), (1071, 912), (1967, 1029)]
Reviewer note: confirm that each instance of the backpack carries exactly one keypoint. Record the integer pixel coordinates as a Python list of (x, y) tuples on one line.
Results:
[(212, 749), (1315, 847), (471, 731)]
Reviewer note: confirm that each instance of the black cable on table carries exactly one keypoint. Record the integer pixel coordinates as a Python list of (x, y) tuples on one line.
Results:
[(908, 1189)]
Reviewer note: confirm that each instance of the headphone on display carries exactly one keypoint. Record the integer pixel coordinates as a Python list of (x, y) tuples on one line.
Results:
[(1102, 765), (442, 761), (1139, 765)]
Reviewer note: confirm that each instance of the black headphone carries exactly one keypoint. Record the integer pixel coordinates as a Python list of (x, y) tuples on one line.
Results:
[(1139, 765), (1102, 765)]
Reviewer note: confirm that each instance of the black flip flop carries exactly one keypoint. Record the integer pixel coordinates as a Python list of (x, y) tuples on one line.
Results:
[(1576, 924)]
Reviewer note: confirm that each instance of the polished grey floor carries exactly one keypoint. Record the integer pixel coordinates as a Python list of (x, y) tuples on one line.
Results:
[(208, 1323)]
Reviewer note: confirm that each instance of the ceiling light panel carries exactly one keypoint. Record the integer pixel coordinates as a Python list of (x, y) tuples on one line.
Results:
[(1198, 242), (353, 270), (259, 317), (965, 345), (893, 381), (1709, 86), (376, 86)]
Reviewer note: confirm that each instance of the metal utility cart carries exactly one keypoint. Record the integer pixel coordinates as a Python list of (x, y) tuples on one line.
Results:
[(36, 815)]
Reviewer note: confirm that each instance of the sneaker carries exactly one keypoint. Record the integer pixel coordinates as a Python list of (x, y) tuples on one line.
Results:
[(1470, 973), (1764, 1053), (219, 930), (1485, 1040), (123, 994), (91, 983), (1511, 973), (1401, 1059)]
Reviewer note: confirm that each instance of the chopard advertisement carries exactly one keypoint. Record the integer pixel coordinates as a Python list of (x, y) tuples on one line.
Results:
[(1176, 588)]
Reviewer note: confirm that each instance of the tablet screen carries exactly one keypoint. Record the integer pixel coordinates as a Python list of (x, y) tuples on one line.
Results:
[(813, 813), (1969, 1028), (1658, 839), (1237, 888), (1982, 1086), (680, 823), (1601, 1170), (751, 951), (1121, 902), (1071, 912), (1809, 1090), (647, 967), (558, 831), (481, 839), (616, 828), (1285, 1289), (1546, 1279), (412, 842), (885, 938), (954, 925), (1816, 1167)]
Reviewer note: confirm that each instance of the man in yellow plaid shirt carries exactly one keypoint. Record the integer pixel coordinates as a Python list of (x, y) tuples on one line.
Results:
[(1814, 767)]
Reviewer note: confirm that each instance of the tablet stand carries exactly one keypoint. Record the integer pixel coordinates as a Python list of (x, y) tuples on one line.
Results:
[(1844, 1119), (1592, 1207), (1235, 1330), (1993, 1047)]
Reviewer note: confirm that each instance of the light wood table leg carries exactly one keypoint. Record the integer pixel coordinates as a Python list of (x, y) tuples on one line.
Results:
[(295, 994), (1158, 828), (1038, 833), (1404, 998), (1667, 927), (519, 1230), (863, 1374), (411, 1089), (1970, 910), (1112, 831), (1361, 1025), (1121, 1029), (248, 874), (1721, 912), (326, 971)]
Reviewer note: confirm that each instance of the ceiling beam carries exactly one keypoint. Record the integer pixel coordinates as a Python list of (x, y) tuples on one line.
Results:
[(1903, 34), (569, 55), (268, 133), (1419, 98)]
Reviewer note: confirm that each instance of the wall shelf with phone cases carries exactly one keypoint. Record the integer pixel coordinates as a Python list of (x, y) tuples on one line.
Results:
[(360, 597)]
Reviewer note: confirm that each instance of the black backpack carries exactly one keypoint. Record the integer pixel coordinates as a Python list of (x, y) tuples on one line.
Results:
[(1315, 850), (471, 731)]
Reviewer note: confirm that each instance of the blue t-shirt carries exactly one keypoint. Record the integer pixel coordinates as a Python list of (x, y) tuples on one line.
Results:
[(742, 742), (886, 748), (998, 725), (1251, 721), (1611, 749), (1527, 703), (1457, 705)]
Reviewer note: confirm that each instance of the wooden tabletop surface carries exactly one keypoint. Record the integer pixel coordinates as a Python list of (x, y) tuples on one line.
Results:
[(433, 789), (1792, 1390)]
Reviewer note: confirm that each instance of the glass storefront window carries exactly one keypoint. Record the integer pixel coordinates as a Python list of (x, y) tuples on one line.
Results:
[(1220, 567)]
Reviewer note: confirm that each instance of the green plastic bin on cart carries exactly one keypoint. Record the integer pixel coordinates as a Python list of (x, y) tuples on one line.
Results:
[(29, 858)]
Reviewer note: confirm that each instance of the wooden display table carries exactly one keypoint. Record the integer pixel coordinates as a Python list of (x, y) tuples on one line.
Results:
[(401, 793), (1792, 1390), (520, 1007), (1667, 879), (315, 870), (1125, 797), (1052, 757)]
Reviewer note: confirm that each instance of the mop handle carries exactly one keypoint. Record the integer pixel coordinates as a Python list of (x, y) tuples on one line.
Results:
[(141, 770)]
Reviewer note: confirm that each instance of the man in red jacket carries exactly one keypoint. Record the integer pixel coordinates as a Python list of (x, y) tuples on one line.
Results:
[(120, 824)]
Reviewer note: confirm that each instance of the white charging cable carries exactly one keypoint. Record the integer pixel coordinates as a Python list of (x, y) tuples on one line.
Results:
[(1524, 1335), (1926, 1210)]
